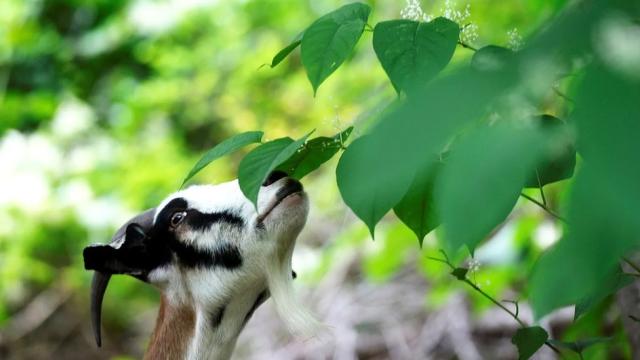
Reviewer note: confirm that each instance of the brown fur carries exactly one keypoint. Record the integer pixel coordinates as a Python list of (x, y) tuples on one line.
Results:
[(173, 332)]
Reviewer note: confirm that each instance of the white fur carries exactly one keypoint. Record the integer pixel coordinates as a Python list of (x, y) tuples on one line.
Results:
[(266, 264)]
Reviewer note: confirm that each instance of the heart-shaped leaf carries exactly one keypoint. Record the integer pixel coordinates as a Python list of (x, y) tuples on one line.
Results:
[(413, 52), (365, 182), (482, 180), (417, 209), (225, 147), (327, 43), (256, 166), (314, 153), (529, 340)]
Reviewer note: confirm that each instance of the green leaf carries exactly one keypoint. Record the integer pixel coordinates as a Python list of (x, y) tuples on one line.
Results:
[(417, 209), (282, 54), (602, 208), (223, 148), (529, 340), (365, 182), (612, 283), (327, 43), (580, 345), (491, 58), (413, 52), (314, 153), (460, 273), (256, 166), (559, 161), (481, 182), (376, 170)]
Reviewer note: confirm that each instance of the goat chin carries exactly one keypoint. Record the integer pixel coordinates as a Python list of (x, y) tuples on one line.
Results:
[(299, 321)]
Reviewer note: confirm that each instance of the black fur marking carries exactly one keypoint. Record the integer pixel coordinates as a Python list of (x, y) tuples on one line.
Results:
[(202, 221), (216, 317), (225, 255), (137, 255), (262, 297)]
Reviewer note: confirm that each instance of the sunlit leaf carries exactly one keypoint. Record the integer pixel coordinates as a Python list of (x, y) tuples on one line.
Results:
[(282, 54), (417, 209), (529, 340), (413, 52), (314, 153), (482, 180), (256, 166), (327, 43), (223, 148)]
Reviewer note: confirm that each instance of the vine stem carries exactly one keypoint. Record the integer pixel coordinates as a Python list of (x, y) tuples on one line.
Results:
[(514, 316), (544, 207), (476, 288), (490, 298)]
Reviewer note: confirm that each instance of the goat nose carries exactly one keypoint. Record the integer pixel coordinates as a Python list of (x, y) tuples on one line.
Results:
[(273, 177)]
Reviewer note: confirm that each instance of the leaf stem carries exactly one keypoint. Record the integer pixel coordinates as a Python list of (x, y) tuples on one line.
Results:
[(544, 207), (368, 27), (544, 199), (467, 46)]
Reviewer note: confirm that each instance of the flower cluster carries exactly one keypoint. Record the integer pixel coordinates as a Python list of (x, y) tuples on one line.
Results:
[(515, 39), (413, 11), (469, 30)]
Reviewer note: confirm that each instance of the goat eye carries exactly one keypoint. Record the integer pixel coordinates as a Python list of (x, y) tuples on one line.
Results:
[(177, 218)]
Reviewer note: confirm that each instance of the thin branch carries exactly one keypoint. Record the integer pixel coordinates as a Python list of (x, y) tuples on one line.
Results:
[(490, 298), (544, 207), (513, 315), (632, 264), (515, 303), (438, 260), (632, 274)]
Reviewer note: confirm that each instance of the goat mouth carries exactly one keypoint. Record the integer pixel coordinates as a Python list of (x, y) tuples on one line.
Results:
[(291, 188)]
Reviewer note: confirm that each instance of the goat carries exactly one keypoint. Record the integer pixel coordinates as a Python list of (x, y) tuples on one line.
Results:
[(215, 258)]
